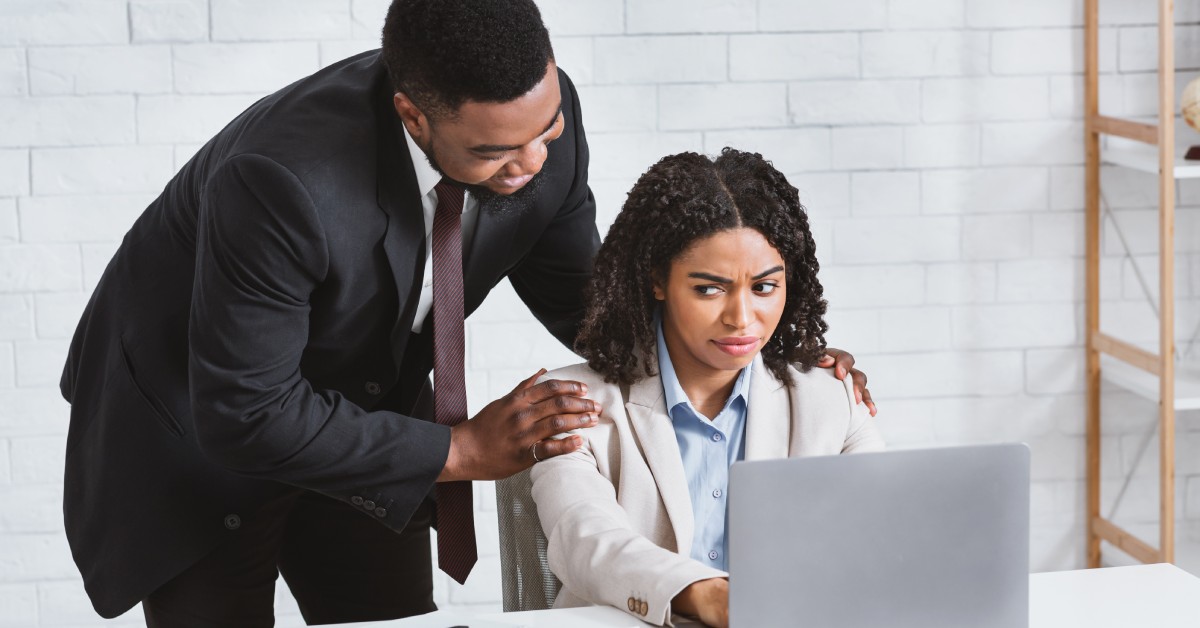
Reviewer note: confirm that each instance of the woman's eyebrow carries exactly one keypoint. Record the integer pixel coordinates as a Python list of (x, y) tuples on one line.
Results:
[(720, 279), (708, 277), (769, 271)]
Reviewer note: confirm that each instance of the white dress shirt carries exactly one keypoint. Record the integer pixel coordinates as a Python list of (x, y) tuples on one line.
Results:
[(427, 179)]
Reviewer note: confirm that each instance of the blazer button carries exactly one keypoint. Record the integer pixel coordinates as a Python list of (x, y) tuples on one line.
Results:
[(356, 500), (369, 505), (631, 604), (381, 512), (373, 388), (643, 608), (233, 522)]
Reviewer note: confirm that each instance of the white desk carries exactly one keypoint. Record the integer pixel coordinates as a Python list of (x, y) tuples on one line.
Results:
[(1161, 596), (1143, 596)]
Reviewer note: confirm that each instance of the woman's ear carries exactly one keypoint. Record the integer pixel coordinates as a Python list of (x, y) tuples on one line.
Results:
[(660, 293)]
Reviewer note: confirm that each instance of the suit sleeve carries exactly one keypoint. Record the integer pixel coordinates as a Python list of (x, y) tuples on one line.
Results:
[(260, 254), (862, 435), (593, 548), (552, 277)]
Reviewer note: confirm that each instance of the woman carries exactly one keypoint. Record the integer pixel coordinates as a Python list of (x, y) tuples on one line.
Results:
[(703, 330)]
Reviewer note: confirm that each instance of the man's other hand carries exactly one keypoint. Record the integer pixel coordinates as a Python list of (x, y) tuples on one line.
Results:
[(843, 364), (516, 430)]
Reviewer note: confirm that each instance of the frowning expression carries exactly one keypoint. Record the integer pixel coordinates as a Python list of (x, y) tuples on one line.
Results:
[(721, 301)]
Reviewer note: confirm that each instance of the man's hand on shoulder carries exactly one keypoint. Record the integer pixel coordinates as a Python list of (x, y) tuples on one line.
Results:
[(518, 429), (842, 364)]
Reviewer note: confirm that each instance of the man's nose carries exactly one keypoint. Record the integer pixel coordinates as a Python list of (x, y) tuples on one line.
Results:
[(529, 160)]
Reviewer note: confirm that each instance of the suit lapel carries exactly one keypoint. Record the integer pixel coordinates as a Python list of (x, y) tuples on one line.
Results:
[(768, 416), (484, 261), (648, 415), (404, 241)]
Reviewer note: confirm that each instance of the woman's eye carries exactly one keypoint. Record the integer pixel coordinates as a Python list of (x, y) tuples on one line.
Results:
[(765, 288), (707, 290), (491, 157)]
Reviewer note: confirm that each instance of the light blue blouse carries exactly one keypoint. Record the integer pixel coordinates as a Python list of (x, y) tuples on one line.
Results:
[(707, 449)]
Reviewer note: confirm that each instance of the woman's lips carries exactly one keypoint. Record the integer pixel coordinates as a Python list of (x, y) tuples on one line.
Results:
[(737, 345)]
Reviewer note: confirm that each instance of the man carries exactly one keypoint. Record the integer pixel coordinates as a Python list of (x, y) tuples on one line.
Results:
[(246, 380)]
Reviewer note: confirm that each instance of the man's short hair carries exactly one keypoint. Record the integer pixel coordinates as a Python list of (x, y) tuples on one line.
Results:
[(442, 53)]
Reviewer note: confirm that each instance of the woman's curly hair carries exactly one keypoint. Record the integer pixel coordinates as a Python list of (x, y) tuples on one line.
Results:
[(681, 199)]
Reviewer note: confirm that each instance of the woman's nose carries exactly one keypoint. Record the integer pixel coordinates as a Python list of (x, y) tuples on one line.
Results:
[(737, 312)]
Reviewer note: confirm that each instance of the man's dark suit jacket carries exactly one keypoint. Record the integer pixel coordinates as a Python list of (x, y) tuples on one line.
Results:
[(252, 333)]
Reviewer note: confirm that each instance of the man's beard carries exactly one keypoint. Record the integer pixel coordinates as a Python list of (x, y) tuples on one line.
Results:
[(501, 205)]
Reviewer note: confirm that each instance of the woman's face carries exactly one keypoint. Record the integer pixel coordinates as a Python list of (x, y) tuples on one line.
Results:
[(721, 302)]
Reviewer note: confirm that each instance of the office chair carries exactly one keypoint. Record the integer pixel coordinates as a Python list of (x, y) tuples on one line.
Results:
[(525, 576)]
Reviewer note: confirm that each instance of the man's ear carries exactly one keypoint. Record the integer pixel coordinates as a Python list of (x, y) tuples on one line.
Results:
[(414, 120)]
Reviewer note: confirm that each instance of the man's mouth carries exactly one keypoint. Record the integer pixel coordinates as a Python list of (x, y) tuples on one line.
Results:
[(513, 182)]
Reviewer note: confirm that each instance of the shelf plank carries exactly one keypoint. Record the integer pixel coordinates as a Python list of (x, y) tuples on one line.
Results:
[(1130, 129), (1146, 160), (1145, 385)]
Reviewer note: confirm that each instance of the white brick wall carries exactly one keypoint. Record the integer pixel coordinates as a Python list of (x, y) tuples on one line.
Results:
[(936, 143)]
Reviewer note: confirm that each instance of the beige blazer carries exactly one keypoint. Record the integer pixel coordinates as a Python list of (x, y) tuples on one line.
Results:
[(617, 514)]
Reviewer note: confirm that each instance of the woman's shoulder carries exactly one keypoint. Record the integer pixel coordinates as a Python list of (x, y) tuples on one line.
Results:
[(822, 383), (604, 393), (580, 372)]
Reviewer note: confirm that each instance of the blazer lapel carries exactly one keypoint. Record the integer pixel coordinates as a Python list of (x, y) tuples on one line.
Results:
[(648, 415), (404, 241), (768, 416)]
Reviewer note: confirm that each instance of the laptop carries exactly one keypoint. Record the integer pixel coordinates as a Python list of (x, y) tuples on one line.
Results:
[(912, 538)]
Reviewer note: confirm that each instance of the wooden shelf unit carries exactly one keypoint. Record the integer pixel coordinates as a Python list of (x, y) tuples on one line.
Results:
[(1150, 374)]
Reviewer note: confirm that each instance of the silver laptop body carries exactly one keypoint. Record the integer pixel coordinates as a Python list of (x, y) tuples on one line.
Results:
[(918, 538)]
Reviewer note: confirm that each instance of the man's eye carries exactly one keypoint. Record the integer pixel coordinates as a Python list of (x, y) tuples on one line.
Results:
[(707, 290)]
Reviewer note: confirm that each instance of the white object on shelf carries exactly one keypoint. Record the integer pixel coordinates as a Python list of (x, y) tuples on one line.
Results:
[(1145, 385), (1146, 160)]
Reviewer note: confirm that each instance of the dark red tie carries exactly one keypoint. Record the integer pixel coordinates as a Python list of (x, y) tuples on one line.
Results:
[(456, 522)]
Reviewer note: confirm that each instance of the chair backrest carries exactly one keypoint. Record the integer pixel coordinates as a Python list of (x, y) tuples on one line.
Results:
[(527, 581)]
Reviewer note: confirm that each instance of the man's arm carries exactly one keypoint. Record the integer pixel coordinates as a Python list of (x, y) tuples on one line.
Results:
[(261, 252)]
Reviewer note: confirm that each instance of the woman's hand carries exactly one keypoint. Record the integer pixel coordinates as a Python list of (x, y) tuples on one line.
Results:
[(706, 600), (843, 364)]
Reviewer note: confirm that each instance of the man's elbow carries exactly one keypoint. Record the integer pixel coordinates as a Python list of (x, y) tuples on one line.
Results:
[(238, 440)]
